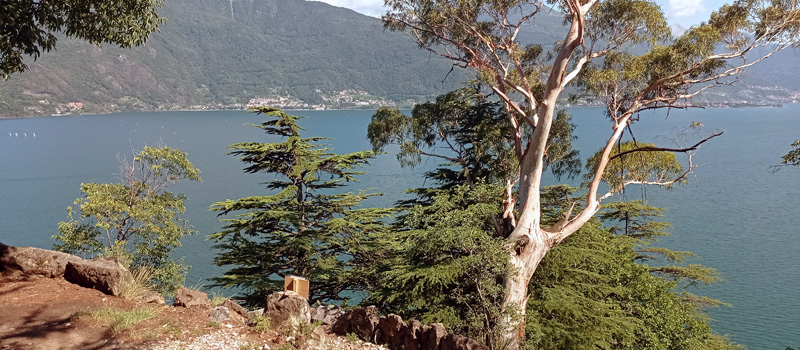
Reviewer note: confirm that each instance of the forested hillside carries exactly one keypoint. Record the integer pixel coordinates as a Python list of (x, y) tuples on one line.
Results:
[(213, 52), (222, 53)]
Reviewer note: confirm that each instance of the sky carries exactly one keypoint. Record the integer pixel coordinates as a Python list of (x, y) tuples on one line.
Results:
[(681, 12)]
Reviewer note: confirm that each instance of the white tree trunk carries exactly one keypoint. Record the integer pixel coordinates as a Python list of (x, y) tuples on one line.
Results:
[(525, 258)]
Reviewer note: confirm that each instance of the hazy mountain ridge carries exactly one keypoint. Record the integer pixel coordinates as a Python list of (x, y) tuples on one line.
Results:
[(222, 53)]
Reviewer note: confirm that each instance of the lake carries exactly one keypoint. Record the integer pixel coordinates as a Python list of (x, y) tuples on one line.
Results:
[(735, 213)]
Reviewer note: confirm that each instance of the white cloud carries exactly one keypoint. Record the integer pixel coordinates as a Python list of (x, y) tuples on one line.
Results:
[(685, 8), (367, 7)]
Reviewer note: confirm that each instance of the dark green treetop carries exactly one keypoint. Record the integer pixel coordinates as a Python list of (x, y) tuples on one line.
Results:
[(304, 228), (30, 27)]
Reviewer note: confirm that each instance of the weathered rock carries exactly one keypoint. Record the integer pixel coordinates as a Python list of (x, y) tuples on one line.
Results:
[(458, 342), (30, 261), (361, 322), (342, 324), (432, 337), (253, 315), (391, 331), (103, 274), (219, 314), (287, 309), (188, 298), (235, 307), (318, 339), (152, 297), (326, 314), (413, 335), (364, 322)]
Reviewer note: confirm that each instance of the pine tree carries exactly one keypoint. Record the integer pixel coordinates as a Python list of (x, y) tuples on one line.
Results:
[(303, 228)]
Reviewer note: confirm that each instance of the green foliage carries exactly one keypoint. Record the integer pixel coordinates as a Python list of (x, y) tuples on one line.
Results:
[(205, 56), (448, 266), (793, 157), (30, 27), (136, 219), (471, 133), (590, 293), (632, 163), (303, 228)]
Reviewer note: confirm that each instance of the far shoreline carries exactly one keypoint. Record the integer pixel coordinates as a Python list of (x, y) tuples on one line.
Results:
[(721, 105)]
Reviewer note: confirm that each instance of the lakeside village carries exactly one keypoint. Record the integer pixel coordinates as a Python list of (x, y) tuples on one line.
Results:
[(337, 100), (346, 99)]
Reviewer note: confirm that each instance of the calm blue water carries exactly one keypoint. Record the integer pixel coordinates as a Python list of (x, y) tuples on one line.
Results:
[(735, 212)]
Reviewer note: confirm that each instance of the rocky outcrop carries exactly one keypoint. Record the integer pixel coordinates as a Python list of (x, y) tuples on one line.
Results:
[(30, 261), (188, 298), (361, 322), (219, 314), (325, 314), (235, 307), (457, 342), (432, 336), (287, 309), (103, 274), (395, 334), (391, 331)]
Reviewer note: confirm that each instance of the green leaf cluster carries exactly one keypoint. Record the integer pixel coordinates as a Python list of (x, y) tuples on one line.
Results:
[(136, 220), (629, 165), (303, 228), (30, 27)]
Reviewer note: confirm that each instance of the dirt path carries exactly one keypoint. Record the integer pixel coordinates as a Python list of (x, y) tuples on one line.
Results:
[(35, 314), (39, 313)]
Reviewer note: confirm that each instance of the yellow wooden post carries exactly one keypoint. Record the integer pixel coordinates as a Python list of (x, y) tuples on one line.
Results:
[(296, 284)]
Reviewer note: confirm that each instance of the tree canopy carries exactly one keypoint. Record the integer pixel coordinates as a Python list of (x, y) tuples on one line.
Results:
[(136, 219), (28, 28), (302, 227), (597, 57)]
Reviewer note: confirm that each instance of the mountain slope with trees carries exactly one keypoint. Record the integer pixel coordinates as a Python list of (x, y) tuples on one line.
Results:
[(216, 52)]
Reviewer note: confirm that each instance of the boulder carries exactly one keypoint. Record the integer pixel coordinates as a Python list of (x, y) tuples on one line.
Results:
[(391, 332), (30, 261), (188, 298), (219, 314), (318, 339), (458, 342), (235, 307), (152, 297), (253, 315), (103, 274), (364, 322), (287, 309), (326, 314), (432, 336), (413, 335)]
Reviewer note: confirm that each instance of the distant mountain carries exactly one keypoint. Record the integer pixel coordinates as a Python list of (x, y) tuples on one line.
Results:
[(226, 52), (223, 53)]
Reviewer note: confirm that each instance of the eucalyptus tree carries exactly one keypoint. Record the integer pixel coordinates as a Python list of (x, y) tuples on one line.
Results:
[(30, 27), (483, 35), (303, 228), (136, 219), (451, 253)]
